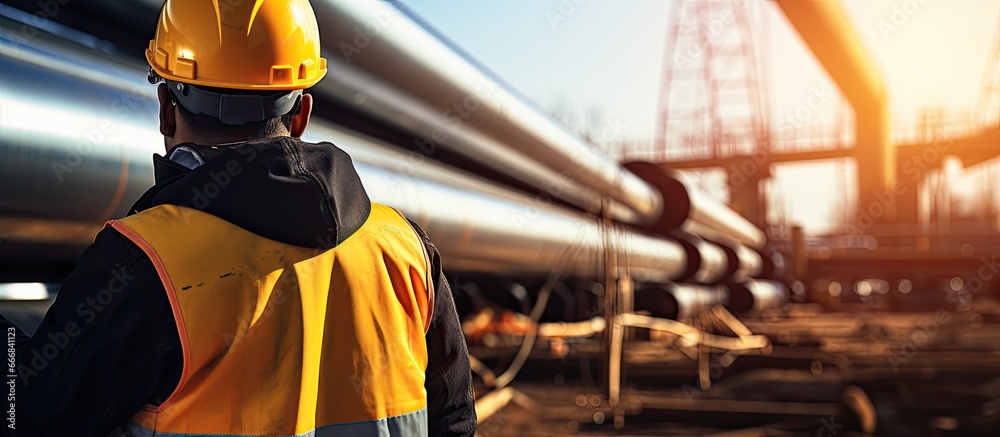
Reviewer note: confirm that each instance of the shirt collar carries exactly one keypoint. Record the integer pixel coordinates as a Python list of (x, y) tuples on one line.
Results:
[(186, 156)]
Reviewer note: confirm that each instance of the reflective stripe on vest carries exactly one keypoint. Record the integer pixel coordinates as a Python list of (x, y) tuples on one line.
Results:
[(287, 340), (412, 424)]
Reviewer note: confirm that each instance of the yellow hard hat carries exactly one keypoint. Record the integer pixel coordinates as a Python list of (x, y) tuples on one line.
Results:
[(238, 44)]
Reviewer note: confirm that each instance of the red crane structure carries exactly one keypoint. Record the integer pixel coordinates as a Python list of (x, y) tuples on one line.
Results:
[(712, 103)]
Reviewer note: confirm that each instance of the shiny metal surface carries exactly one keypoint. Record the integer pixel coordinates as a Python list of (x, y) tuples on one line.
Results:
[(679, 301), (689, 206), (757, 295), (374, 38), (371, 95), (74, 149), (48, 114), (709, 212), (714, 263), (482, 227), (751, 264)]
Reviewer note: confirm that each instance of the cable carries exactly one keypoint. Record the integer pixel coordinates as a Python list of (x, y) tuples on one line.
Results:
[(536, 313)]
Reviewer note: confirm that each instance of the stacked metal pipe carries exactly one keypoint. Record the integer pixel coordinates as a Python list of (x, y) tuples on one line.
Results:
[(59, 181)]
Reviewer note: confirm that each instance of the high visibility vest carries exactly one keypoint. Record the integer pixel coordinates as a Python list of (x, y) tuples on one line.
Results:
[(281, 340)]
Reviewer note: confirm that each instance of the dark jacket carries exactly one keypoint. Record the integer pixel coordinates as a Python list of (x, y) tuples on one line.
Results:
[(109, 345)]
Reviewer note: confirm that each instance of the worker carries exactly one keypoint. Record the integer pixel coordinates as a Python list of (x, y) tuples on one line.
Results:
[(254, 289)]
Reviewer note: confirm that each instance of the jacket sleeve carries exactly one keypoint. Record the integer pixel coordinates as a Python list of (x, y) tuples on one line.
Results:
[(98, 355), (451, 404)]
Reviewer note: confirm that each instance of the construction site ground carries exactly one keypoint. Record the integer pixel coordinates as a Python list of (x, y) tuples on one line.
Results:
[(930, 369)]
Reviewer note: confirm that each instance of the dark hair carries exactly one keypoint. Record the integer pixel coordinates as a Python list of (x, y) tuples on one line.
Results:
[(208, 127)]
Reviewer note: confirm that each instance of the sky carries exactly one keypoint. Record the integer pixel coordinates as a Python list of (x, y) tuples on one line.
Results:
[(600, 62)]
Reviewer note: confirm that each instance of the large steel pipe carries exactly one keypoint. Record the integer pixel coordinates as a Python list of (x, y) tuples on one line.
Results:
[(708, 263), (431, 128), (394, 69), (372, 38), (494, 229), (74, 148), (678, 301), (688, 203), (756, 295), (107, 132), (751, 262)]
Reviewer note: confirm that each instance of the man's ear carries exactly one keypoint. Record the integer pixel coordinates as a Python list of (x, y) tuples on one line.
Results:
[(168, 111), (301, 120)]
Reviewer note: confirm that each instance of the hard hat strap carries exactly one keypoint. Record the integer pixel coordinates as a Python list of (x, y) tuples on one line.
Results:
[(234, 109)]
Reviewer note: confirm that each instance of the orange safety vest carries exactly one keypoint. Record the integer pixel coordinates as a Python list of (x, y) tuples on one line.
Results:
[(281, 340)]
